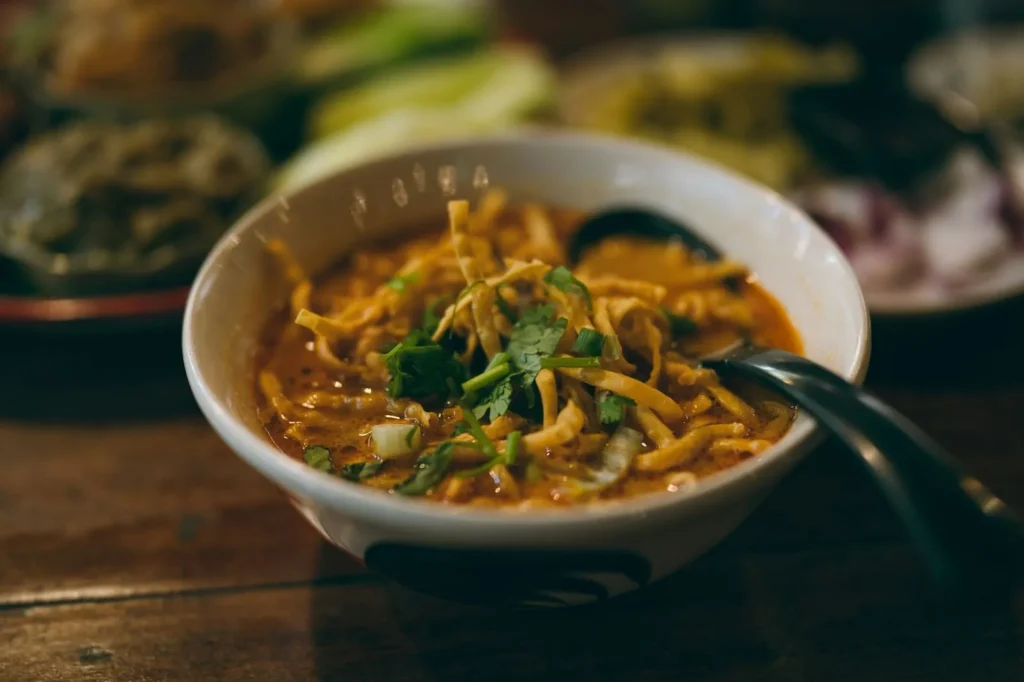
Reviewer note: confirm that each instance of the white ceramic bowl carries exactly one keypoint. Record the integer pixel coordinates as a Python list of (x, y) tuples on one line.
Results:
[(558, 556)]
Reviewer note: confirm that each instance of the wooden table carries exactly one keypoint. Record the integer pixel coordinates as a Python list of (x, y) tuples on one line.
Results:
[(135, 546)]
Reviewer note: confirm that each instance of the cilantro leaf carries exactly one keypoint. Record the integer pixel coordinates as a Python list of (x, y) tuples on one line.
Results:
[(420, 368), (360, 471), (612, 408), (496, 401), (679, 324), (400, 282), (562, 278), (534, 337), (318, 457), (538, 315), (430, 470)]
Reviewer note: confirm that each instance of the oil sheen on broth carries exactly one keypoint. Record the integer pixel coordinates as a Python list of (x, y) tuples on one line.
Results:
[(489, 373)]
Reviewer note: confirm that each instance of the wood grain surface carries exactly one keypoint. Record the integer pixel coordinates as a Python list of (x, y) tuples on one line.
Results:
[(135, 546)]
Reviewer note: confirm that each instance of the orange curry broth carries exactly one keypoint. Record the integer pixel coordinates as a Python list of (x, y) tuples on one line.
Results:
[(287, 350)]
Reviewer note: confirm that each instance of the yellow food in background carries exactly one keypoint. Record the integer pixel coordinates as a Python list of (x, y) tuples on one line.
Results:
[(725, 101)]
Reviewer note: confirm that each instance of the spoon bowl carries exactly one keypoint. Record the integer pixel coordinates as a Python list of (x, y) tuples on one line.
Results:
[(638, 222)]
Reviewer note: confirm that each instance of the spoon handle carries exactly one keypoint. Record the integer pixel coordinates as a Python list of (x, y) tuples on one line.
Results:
[(967, 535)]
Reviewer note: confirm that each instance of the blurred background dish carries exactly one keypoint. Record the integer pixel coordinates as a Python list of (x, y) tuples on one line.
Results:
[(310, 13), (931, 220), (378, 35), (723, 97), (980, 67), (928, 213), (865, 130), (130, 60), (487, 90), (100, 208)]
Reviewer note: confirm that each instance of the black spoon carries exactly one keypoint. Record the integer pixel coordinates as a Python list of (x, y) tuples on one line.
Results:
[(637, 222), (968, 536)]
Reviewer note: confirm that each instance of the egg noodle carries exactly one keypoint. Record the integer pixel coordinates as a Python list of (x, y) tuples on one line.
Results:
[(475, 366)]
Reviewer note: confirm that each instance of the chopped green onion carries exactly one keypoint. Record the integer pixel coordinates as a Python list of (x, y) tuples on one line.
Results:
[(318, 457), (482, 441), (486, 378), (498, 359), (511, 446), (555, 363), (509, 458), (391, 441), (400, 282), (477, 430), (589, 342)]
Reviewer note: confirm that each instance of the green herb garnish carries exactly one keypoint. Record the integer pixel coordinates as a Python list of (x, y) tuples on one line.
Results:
[(611, 409), (400, 282), (318, 457), (430, 470), (497, 369), (508, 458), (420, 368), (499, 397), (477, 430), (589, 342), (497, 400), (360, 471), (679, 324), (562, 278), (512, 447), (534, 337), (555, 363), (477, 470)]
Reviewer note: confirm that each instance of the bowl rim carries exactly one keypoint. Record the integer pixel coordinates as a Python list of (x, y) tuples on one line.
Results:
[(472, 524)]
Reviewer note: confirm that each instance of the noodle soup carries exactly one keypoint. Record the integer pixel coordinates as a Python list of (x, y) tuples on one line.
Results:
[(473, 365)]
